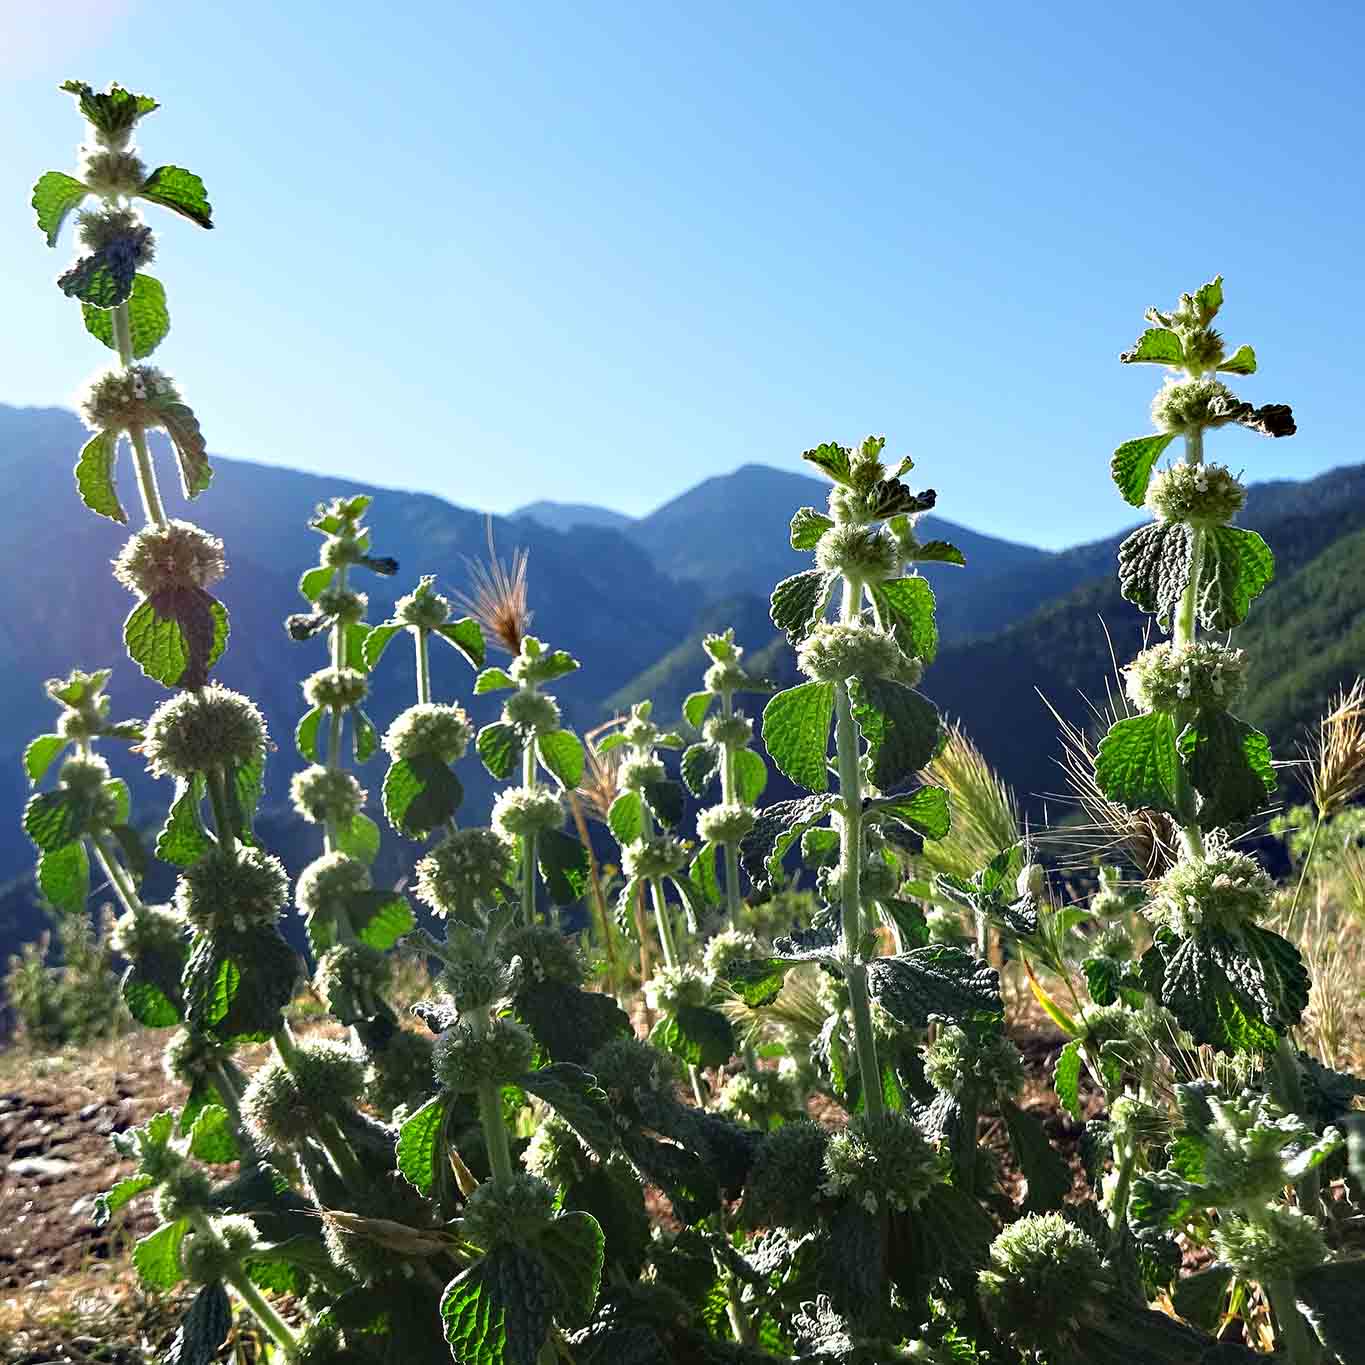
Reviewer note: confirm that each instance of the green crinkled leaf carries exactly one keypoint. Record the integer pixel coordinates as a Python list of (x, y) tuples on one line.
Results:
[(127, 1189), (104, 279), (41, 754), (702, 874), (493, 680), (799, 602), (573, 1247), (907, 609), (54, 197), (700, 765), (147, 1000), (1241, 361), (575, 1096), (796, 726), (499, 746), (937, 552), (466, 636), (625, 818), (570, 1024), (499, 1311), (1066, 1079), (696, 1034), (1137, 765), (306, 735), (937, 982), (1154, 568), (364, 736), (377, 641), (157, 1255), (112, 111), (360, 839), (563, 866), (134, 851), (420, 794), (245, 784), (204, 1329), (1156, 346), (120, 800), (176, 636), (213, 1137), (380, 918), (757, 983), (925, 811), (418, 1140), (64, 877), (1133, 462), (237, 983), (354, 635), (561, 751), (665, 802), (1201, 1298), (696, 706), (315, 582), (900, 725), (175, 188), (1236, 566), (148, 318), (51, 820), (832, 459), (775, 830), (751, 776), (191, 450), (807, 527), (95, 475), (1229, 763), (1332, 1295), (1044, 1168)]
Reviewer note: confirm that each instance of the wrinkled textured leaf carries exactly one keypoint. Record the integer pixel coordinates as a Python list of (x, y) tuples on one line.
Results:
[(1043, 1167), (807, 526), (499, 746), (776, 829), (626, 817), (900, 725), (925, 811), (575, 1096), (1229, 763), (665, 802), (696, 706), (466, 636), (563, 866), (751, 776), (173, 187), (306, 735), (796, 726), (149, 320), (799, 602), (54, 197), (204, 1329), (1137, 765), (41, 754), (937, 982), (570, 1024), (1133, 462), (95, 475), (493, 680), (700, 765), (418, 1142), (360, 839), (104, 279), (695, 1034), (1067, 1077), (238, 983), (907, 609), (1236, 566), (1201, 1298), (191, 450), (1156, 346), (213, 1136), (573, 1247), (498, 1312), (420, 794), (51, 820), (177, 636), (561, 751), (157, 1255), (1154, 568), (1332, 1295), (832, 459), (1241, 361)]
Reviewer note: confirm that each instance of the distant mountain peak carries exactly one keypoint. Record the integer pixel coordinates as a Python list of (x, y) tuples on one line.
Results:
[(564, 516)]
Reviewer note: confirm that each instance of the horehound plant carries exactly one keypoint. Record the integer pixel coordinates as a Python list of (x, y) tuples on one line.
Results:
[(491, 1207)]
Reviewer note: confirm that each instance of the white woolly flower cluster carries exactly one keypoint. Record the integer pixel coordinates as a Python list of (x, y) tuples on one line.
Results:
[(1224, 888), (194, 732), (1205, 494), (725, 824), (429, 729), (119, 399), (1199, 673), (884, 1163), (659, 856), (527, 810), (727, 947), (176, 554), (327, 881), (532, 711), (466, 867), (424, 607), (340, 688), (670, 988), (836, 651), (639, 772), (321, 794)]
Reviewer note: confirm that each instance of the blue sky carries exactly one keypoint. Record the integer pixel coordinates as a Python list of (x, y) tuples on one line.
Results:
[(601, 251)]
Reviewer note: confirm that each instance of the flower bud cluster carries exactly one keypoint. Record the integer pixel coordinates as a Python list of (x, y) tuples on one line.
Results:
[(323, 794), (119, 399), (173, 555), (189, 1057), (463, 1058), (1222, 889), (545, 954), (555, 1153), (725, 675), (633, 1072), (85, 778), (524, 811), (399, 1073), (148, 930), (882, 1163), (100, 228), (640, 771), (864, 554), (424, 607), (85, 708), (1278, 1243), (437, 730), (533, 712), (672, 988), (1202, 674), (349, 973), (729, 732), (479, 984), (329, 881), (785, 1186), (284, 1103), (1253, 1149), (110, 174), (465, 868), (340, 688), (762, 1095), (512, 1211), (197, 732), (728, 947), (343, 604), (959, 1065), (1185, 404), (535, 664), (235, 888), (211, 1252), (185, 1190), (1202, 494), (639, 731), (660, 855), (837, 651), (725, 824)]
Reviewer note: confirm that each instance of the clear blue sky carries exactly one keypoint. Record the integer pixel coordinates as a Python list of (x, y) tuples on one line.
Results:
[(601, 251)]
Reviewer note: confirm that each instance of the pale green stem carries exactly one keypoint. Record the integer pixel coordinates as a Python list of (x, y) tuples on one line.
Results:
[(1185, 632), (670, 952), (142, 457), (1123, 1185), (227, 1092), (1303, 874), (727, 795), (343, 1156), (419, 636), (222, 816), (528, 841), (250, 1295), (1291, 1332), (495, 1132), (117, 874)]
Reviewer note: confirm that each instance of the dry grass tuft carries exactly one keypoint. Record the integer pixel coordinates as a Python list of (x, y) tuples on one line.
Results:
[(1335, 757), (985, 814), (498, 599)]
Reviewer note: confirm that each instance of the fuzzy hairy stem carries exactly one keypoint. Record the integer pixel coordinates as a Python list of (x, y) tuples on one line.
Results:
[(656, 895), (1292, 1334), (248, 1293), (495, 1133), (595, 883), (107, 857), (222, 813), (152, 507), (1123, 1185), (733, 904), (342, 1154), (1186, 631), (528, 841), (420, 636)]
